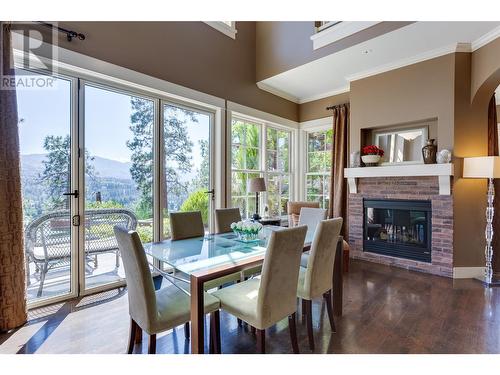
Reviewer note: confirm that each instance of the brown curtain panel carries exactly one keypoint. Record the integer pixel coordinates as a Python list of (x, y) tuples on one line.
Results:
[(338, 184), (493, 151), (12, 268)]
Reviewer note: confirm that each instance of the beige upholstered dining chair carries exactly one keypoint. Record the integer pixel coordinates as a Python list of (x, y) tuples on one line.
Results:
[(186, 225), (293, 209), (315, 281), (311, 217), (150, 310), (264, 302), (224, 217)]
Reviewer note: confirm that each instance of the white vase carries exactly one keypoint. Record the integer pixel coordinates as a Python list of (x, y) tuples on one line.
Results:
[(370, 160)]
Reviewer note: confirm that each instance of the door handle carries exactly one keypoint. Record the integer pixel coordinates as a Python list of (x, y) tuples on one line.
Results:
[(211, 192), (74, 193)]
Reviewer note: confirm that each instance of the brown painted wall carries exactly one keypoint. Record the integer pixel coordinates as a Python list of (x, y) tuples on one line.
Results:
[(317, 108), (282, 46), (191, 54), (469, 203), (410, 94)]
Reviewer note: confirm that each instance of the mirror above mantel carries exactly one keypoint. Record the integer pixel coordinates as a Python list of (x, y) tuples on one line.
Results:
[(402, 143)]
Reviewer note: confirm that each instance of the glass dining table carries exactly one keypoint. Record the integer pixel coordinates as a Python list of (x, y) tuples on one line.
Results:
[(216, 255)]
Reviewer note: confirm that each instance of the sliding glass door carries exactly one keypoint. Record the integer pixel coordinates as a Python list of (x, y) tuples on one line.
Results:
[(94, 156), (187, 164), (47, 137), (118, 137)]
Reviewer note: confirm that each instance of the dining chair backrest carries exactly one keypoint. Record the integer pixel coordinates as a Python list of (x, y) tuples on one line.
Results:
[(141, 291), (224, 217), (280, 272), (320, 264), (186, 225), (293, 209), (311, 217)]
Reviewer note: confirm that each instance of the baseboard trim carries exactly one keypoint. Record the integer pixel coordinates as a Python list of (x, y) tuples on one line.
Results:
[(467, 272)]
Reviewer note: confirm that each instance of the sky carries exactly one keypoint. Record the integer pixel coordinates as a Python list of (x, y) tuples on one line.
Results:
[(107, 121)]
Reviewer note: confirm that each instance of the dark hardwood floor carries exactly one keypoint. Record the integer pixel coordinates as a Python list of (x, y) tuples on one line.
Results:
[(386, 310)]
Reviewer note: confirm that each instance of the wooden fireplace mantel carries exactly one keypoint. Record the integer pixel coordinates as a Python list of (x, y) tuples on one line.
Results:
[(442, 171)]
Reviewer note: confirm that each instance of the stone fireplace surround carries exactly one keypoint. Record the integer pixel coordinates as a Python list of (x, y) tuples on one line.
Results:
[(407, 188)]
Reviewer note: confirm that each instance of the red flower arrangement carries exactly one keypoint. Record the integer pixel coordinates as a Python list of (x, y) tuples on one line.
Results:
[(372, 150)]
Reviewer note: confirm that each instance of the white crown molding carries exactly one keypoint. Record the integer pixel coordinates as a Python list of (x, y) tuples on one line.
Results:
[(467, 272), (264, 86), (340, 31), (340, 90), (455, 47), (485, 39)]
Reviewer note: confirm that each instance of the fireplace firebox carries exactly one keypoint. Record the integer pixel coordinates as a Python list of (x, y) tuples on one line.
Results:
[(398, 228)]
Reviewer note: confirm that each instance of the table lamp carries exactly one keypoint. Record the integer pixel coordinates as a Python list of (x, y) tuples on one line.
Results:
[(486, 167), (257, 185)]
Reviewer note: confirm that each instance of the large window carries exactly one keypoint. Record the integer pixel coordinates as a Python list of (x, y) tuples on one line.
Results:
[(277, 171), (260, 150), (245, 163), (319, 164)]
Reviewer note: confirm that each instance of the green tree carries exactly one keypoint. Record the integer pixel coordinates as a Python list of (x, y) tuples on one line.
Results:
[(56, 172), (177, 151), (197, 201), (202, 179)]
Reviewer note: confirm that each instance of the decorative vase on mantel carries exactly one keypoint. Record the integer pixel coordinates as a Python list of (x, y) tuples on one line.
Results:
[(429, 152), (370, 160)]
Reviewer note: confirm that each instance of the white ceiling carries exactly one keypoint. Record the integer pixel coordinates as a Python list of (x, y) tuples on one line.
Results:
[(416, 42)]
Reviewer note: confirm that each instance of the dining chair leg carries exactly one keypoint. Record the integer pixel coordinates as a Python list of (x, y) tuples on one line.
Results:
[(138, 334), (215, 341), (152, 344), (309, 321), (187, 331), (261, 341), (293, 332), (329, 308), (131, 340), (303, 311)]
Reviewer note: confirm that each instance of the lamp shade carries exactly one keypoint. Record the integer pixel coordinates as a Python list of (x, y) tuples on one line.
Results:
[(257, 184), (482, 167)]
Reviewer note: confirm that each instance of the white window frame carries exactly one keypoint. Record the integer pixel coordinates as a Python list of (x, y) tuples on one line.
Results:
[(224, 27), (333, 32), (308, 127), (262, 171)]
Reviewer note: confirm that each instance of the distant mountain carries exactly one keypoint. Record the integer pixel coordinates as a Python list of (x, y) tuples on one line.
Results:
[(31, 165)]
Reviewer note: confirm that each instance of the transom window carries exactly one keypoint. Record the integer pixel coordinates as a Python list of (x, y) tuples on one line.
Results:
[(319, 164)]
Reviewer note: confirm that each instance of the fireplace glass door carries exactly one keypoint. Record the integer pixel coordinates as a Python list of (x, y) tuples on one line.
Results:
[(398, 228)]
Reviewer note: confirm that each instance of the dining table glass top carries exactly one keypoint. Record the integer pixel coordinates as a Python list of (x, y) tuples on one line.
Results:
[(212, 250)]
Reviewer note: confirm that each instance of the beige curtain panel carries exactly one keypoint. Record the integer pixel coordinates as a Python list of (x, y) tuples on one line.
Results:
[(493, 151), (338, 184), (12, 268)]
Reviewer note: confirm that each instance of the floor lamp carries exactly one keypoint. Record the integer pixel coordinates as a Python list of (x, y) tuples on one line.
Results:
[(486, 167)]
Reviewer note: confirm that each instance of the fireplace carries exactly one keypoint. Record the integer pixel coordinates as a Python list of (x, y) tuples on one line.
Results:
[(398, 228)]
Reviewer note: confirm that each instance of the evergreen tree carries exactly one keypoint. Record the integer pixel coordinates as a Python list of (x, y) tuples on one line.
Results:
[(178, 149), (56, 175)]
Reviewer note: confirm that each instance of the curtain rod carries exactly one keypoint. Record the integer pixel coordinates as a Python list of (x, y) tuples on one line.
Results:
[(335, 106), (70, 34)]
